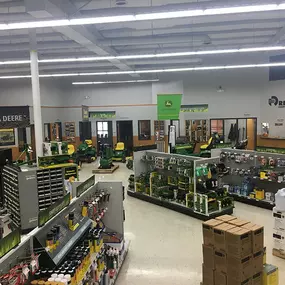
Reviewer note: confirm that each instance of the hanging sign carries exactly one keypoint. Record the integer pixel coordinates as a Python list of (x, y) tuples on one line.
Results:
[(14, 117), (84, 186), (85, 113), (102, 115), (195, 108), (168, 106)]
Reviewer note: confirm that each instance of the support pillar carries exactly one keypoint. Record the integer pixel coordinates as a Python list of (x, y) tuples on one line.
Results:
[(37, 103)]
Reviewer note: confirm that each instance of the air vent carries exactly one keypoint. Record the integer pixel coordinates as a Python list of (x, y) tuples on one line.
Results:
[(121, 2)]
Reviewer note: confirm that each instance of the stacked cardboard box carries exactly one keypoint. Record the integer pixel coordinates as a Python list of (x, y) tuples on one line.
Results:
[(279, 231), (232, 252)]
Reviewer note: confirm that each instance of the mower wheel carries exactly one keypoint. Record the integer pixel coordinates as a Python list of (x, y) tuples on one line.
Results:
[(124, 159)]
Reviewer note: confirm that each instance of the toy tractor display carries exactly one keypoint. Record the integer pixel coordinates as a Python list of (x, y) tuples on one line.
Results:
[(119, 153)]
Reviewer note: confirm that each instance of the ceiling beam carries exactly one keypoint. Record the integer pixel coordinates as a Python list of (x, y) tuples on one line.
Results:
[(276, 38), (78, 34)]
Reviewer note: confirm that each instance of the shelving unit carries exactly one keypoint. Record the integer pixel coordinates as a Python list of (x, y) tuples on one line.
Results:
[(169, 180), (159, 130), (30, 190), (69, 130), (197, 130), (254, 177)]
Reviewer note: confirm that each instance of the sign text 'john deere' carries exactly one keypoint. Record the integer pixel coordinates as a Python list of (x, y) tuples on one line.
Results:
[(168, 106), (14, 117)]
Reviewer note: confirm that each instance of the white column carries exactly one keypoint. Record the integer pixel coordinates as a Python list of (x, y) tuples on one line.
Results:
[(37, 103)]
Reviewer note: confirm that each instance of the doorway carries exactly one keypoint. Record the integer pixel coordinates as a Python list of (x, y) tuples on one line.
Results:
[(251, 131), (125, 135), (104, 131)]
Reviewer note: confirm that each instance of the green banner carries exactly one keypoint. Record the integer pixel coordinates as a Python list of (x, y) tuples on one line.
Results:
[(195, 108), (102, 115), (84, 186), (168, 106), (51, 211), (9, 242)]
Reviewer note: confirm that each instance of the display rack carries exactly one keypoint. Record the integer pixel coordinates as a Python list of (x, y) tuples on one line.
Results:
[(69, 130), (170, 180), (197, 130), (112, 224), (253, 177), (30, 190), (159, 130)]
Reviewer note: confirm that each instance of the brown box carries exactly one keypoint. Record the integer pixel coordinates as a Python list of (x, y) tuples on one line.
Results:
[(238, 242), (232, 281), (258, 262), (257, 236), (220, 236), (208, 232), (225, 218), (257, 279), (220, 259), (239, 269), (238, 222), (220, 278), (208, 275), (208, 256)]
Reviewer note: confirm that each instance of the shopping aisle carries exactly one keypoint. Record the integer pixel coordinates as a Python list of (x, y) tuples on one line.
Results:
[(166, 247)]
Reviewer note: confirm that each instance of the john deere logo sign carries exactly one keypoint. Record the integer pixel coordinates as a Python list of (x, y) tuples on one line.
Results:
[(274, 101), (168, 103)]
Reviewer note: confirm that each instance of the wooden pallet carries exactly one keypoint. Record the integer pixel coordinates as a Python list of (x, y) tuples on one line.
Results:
[(278, 253), (105, 171)]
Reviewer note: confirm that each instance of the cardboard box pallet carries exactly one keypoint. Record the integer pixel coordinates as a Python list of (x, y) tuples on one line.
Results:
[(233, 252)]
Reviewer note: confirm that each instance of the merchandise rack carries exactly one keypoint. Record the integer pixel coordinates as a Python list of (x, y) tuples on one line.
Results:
[(141, 165), (30, 190), (114, 220), (270, 186)]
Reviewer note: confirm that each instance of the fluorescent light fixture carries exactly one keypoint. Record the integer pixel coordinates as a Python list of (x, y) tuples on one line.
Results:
[(199, 68), (143, 56), (114, 82), (12, 62), (143, 17)]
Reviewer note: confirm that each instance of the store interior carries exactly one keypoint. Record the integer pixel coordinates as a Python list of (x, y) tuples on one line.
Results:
[(142, 142)]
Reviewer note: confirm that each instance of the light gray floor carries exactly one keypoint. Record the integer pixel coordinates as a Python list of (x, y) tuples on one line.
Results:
[(166, 247)]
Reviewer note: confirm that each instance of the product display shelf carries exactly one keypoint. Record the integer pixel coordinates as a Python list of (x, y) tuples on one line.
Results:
[(30, 186), (29, 243), (144, 163), (254, 177)]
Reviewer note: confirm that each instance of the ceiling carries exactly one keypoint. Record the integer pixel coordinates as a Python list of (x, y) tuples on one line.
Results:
[(145, 37)]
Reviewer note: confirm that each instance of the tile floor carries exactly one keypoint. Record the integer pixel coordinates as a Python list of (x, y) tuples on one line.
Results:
[(166, 247)]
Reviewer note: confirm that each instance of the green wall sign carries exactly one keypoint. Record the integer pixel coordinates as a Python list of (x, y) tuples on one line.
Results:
[(195, 108), (102, 115), (168, 106), (50, 212), (9, 242), (84, 186)]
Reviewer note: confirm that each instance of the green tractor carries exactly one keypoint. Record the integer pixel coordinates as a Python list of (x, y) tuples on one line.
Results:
[(106, 154), (86, 152)]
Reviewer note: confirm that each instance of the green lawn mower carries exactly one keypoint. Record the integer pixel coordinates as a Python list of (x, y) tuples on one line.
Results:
[(86, 152), (106, 154), (119, 153)]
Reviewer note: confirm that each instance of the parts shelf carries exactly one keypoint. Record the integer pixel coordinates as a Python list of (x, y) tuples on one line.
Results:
[(179, 208)]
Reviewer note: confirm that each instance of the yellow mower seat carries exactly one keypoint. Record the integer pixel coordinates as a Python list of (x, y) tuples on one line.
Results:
[(208, 145), (120, 146), (89, 142), (71, 149)]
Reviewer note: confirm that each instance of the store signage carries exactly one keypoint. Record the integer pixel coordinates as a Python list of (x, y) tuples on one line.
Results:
[(84, 186), (274, 101), (51, 211), (195, 108), (102, 115), (14, 117), (168, 106), (9, 242), (85, 113)]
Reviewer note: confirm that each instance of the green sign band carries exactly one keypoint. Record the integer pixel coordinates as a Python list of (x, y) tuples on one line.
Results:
[(84, 186), (195, 108), (50, 212), (168, 106), (102, 115), (9, 242)]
